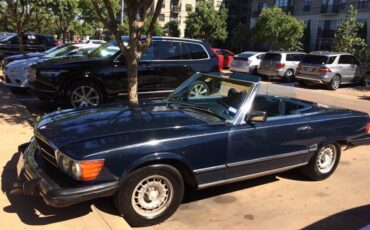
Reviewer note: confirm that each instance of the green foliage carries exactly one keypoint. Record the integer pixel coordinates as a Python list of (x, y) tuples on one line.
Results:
[(280, 30), (171, 28), (241, 38), (307, 37), (346, 37), (158, 30), (206, 23)]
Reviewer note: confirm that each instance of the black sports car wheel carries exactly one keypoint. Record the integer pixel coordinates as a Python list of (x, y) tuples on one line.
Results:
[(150, 195), (324, 163), (84, 94)]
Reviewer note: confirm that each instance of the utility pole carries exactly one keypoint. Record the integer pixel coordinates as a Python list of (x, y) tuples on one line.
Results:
[(122, 11)]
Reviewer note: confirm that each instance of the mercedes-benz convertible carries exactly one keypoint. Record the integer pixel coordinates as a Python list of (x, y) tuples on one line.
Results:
[(212, 130)]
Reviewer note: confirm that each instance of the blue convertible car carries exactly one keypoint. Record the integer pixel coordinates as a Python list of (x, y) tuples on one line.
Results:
[(210, 131)]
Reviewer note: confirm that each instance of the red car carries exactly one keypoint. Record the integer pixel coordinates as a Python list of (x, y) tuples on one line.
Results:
[(225, 57)]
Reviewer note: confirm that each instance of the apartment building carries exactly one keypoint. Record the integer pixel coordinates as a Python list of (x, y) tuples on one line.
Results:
[(324, 16)]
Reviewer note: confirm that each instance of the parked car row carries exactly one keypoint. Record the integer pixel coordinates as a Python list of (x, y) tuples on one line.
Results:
[(323, 67), (16, 72), (79, 81), (9, 44)]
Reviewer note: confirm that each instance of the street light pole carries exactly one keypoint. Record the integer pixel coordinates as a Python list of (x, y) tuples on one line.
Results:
[(122, 11)]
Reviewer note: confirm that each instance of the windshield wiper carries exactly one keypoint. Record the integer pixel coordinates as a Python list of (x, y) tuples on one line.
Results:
[(195, 107)]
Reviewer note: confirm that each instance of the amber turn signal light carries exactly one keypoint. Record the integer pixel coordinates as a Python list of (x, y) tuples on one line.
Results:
[(90, 169)]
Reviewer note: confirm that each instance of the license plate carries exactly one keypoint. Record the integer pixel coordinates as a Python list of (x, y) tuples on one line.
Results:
[(30, 149), (20, 164)]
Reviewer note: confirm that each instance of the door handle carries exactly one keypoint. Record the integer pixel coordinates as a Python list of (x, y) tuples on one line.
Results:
[(304, 128), (148, 66), (187, 66)]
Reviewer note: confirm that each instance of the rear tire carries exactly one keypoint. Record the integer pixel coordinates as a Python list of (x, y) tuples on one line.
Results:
[(323, 163), (289, 75), (199, 88), (150, 195), (83, 94), (334, 83)]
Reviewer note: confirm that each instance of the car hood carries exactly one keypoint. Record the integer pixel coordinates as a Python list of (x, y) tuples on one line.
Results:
[(24, 56), (71, 126), (22, 63)]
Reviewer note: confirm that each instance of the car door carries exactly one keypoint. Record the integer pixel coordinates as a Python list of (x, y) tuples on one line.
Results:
[(147, 73), (345, 67), (355, 70), (173, 68), (281, 142)]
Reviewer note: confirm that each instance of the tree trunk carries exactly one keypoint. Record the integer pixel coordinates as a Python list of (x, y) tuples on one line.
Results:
[(20, 41), (132, 72)]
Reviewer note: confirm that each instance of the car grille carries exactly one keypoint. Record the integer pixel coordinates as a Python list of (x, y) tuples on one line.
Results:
[(46, 151)]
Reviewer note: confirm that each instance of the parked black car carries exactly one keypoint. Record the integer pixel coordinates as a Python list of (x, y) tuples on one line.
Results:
[(90, 80), (145, 156), (32, 43)]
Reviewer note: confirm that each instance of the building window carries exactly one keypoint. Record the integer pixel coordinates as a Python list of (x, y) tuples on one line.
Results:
[(262, 5), (363, 3), (161, 17), (343, 4), (281, 3), (307, 5), (163, 5)]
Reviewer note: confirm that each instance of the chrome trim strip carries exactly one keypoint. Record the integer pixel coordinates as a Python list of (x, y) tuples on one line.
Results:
[(250, 176), (203, 170), (149, 92), (239, 163)]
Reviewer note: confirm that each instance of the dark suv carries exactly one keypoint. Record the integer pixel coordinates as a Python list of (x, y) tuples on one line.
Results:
[(86, 81), (32, 43)]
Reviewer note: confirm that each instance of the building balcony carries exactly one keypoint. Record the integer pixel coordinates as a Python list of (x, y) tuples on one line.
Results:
[(329, 9)]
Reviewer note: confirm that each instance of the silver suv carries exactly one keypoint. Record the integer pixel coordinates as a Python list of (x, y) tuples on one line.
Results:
[(280, 64), (332, 69)]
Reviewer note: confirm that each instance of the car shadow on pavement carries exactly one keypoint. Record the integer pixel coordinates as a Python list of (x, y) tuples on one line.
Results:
[(31, 209), (355, 218)]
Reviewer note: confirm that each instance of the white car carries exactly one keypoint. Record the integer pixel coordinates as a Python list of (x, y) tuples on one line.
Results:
[(246, 62), (15, 73)]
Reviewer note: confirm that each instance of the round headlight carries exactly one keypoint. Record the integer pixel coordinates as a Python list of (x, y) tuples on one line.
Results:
[(66, 164), (75, 170)]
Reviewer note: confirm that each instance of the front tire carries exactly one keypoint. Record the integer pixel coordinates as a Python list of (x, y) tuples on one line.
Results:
[(323, 163), (150, 195)]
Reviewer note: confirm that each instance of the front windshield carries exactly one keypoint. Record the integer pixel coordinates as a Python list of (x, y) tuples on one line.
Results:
[(61, 52), (106, 50), (219, 96), (56, 48)]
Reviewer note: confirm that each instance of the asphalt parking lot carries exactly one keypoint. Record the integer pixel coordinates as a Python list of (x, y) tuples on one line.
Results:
[(282, 201)]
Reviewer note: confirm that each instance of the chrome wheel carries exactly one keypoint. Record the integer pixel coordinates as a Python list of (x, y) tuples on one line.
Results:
[(326, 159), (84, 96), (335, 82), (152, 196), (199, 89)]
